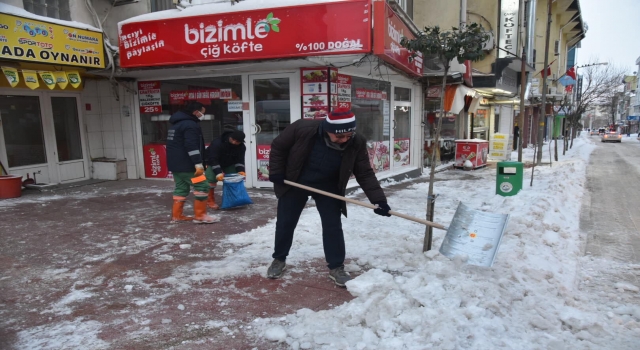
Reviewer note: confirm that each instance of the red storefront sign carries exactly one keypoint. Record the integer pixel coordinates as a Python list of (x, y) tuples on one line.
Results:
[(388, 32), (306, 30), (149, 97)]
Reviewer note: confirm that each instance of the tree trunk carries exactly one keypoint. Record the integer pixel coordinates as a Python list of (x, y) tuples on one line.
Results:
[(428, 233)]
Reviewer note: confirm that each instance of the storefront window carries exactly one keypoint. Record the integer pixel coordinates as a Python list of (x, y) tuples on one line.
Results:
[(221, 97), (371, 105), (401, 126), (22, 130), (446, 147)]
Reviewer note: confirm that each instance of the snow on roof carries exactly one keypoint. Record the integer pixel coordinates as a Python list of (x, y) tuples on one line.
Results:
[(220, 7), (16, 11)]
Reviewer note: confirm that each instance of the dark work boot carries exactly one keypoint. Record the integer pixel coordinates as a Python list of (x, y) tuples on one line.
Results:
[(277, 268), (339, 276)]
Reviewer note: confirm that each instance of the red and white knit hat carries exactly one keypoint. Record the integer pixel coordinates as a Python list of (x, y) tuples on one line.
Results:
[(340, 121)]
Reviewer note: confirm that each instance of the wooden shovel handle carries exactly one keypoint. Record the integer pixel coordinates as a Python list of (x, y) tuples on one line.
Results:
[(367, 205)]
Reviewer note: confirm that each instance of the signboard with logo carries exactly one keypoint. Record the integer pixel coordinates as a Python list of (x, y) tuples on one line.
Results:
[(149, 97), (306, 30), (155, 161), (26, 39), (387, 39), (508, 41)]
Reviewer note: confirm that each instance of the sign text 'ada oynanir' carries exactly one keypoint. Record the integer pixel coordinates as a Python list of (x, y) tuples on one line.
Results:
[(26, 39)]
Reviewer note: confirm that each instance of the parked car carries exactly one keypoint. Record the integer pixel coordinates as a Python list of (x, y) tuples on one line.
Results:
[(611, 136)]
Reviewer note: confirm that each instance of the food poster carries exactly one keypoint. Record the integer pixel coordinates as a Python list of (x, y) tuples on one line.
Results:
[(149, 97), (315, 92), (480, 119), (262, 156), (379, 155), (401, 152), (341, 91)]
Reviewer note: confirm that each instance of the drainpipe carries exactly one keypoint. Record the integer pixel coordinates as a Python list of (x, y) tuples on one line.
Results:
[(531, 31), (465, 115)]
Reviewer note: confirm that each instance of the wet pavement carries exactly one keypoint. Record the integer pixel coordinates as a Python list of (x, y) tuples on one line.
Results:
[(93, 267)]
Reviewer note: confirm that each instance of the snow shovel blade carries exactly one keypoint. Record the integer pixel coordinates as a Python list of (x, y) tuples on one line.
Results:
[(366, 205), (474, 234)]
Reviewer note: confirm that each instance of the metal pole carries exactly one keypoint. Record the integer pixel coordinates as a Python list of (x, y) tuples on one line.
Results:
[(428, 238), (543, 108), (523, 83)]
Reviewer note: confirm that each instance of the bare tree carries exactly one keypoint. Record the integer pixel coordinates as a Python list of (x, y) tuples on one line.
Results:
[(599, 86), (464, 43)]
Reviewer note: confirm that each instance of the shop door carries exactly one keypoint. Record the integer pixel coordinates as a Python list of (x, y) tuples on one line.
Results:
[(401, 128), (275, 104), (68, 138)]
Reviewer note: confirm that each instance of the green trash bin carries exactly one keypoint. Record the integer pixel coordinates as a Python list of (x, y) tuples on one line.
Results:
[(509, 178)]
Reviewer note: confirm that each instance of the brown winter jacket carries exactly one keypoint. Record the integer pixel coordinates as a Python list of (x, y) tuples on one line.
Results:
[(290, 150)]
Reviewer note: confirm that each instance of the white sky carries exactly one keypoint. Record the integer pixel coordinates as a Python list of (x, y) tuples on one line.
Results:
[(613, 32), (541, 293)]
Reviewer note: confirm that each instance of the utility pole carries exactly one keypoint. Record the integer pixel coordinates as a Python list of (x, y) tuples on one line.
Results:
[(543, 108), (523, 86)]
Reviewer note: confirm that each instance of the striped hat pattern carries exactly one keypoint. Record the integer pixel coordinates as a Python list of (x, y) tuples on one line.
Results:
[(340, 121)]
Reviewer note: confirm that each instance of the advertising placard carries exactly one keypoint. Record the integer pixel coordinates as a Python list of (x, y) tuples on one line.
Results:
[(500, 147), (331, 28), (155, 161), (342, 91), (263, 161), (315, 92), (387, 39), (26, 39), (149, 97)]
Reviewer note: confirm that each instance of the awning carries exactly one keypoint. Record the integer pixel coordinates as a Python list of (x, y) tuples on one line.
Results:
[(454, 98)]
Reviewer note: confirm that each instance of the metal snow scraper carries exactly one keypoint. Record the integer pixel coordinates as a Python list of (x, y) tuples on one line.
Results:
[(472, 233)]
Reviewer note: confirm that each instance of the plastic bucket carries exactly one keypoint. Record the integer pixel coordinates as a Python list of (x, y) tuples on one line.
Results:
[(10, 186)]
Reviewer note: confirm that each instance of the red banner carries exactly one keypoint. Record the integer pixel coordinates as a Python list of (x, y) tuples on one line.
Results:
[(367, 94), (389, 31), (307, 30)]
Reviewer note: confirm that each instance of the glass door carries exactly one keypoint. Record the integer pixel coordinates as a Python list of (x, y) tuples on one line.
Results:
[(66, 125), (274, 106), (401, 127)]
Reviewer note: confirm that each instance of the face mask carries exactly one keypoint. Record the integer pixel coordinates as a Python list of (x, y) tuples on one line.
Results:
[(200, 115)]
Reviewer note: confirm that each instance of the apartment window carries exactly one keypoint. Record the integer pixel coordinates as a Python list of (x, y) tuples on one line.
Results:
[(58, 9), (161, 5), (407, 6)]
